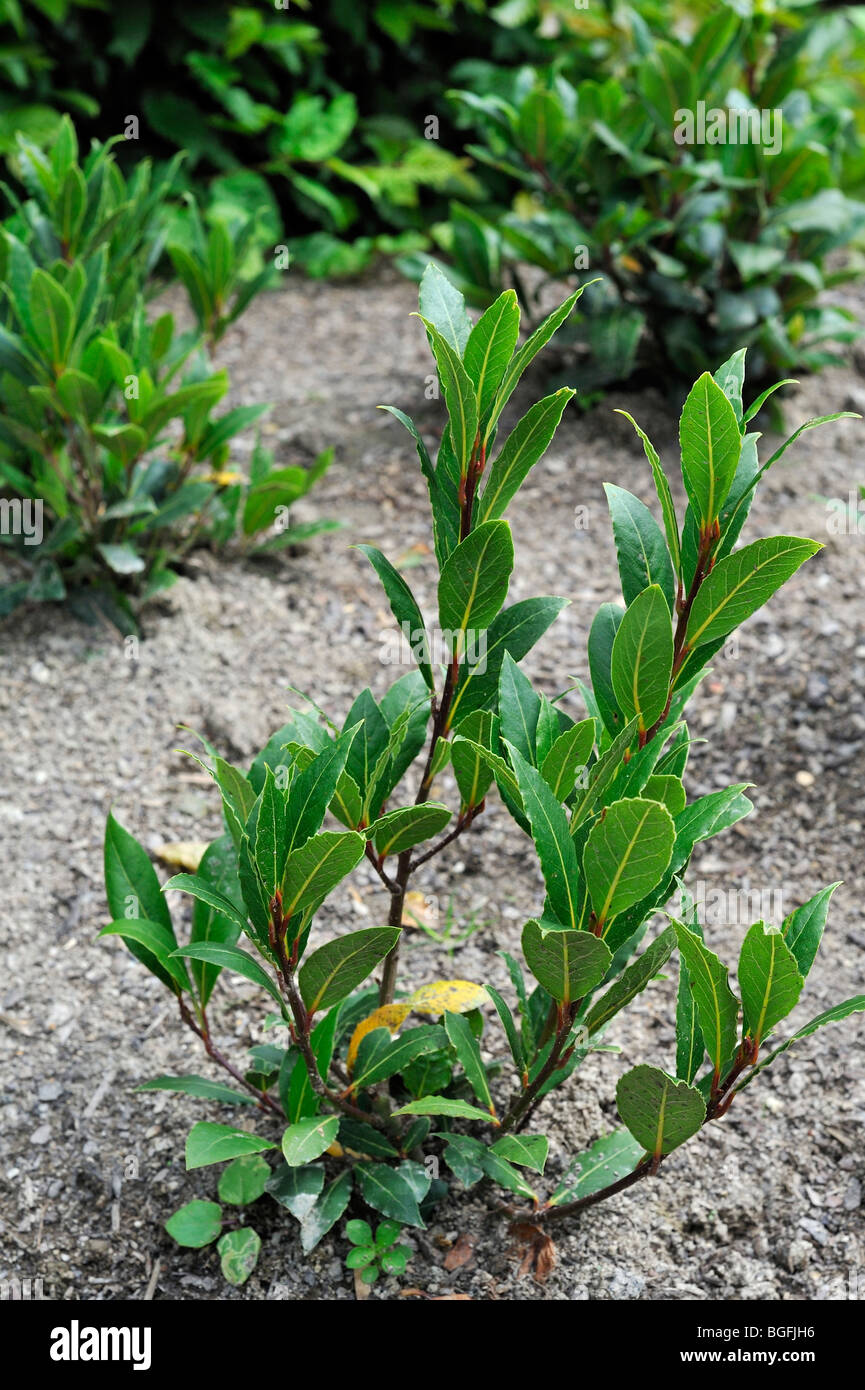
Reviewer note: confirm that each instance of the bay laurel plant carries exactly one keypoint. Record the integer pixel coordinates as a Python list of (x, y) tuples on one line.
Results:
[(111, 456), (379, 1095)]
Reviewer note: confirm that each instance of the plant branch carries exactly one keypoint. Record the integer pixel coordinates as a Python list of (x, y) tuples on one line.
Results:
[(263, 1100)]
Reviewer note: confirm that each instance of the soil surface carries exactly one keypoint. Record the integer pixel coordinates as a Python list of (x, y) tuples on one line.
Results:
[(766, 1204)]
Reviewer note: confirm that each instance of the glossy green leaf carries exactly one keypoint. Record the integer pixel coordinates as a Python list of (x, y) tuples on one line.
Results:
[(711, 443), (642, 658), (606, 1161), (717, 1005), (741, 583), (209, 1143), (567, 963), (474, 582), (803, 928), (626, 855), (465, 1044), (330, 973), (308, 1139), (551, 834), (195, 1225), (490, 346), (769, 980), (640, 546), (660, 1113), (315, 869), (409, 826), (244, 1180), (527, 442), (404, 607)]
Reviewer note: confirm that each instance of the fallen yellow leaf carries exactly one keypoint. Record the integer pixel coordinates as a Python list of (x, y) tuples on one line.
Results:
[(182, 854), (451, 996), (388, 1016)]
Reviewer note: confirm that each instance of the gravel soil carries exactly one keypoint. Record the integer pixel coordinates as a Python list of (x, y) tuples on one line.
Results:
[(766, 1204)]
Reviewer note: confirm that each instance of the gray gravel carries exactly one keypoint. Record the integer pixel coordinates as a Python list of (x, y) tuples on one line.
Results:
[(765, 1205)]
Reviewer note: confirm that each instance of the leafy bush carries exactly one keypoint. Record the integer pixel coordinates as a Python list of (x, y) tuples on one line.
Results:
[(704, 248), (320, 107), (107, 416), (374, 1098)]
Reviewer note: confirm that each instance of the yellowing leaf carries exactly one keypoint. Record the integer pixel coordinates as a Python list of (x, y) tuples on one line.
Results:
[(224, 477), (182, 854), (388, 1016), (448, 996)]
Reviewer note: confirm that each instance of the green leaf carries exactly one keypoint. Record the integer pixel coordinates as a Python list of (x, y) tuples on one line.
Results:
[(551, 834), (155, 945), (308, 1139), (626, 855), (502, 1172), (359, 1232), (631, 982), (640, 546), (568, 756), (527, 442), (803, 929), (379, 1058), (52, 315), (218, 867), (515, 631), (717, 1005), (660, 1113), (474, 582), (472, 772), (836, 1014), (465, 1044), (519, 709), (270, 842), (509, 1024), (209, 1143), (404, 608), (202, 889), (667, 789), (330, 973), (711, 443), (443, 1105), (195, 1225), (443, 305), (315, 869), (526, 354), (490, 346), (238, 1254), (528, 1150), (607, 1160), (328, 1209), (690, 1047), (602, 635), (662, 488), (296, 1189), (133, 890), (233, 958), (389, 1191), (244, 1180), (410, 825), (363, 1139), (460, 397), (642, 658), (769, 980), (312, 789), (192, 1085), (741, 583), (567, 963), (602, 775)]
